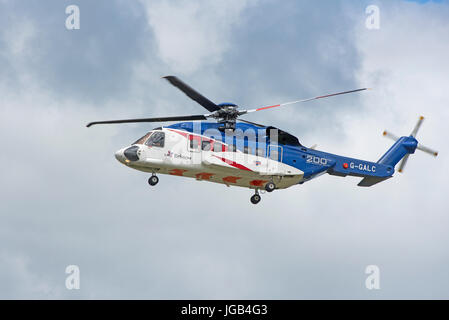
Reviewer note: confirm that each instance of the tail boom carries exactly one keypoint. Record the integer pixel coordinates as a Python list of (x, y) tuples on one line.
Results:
[(383, 169), (402, 147)]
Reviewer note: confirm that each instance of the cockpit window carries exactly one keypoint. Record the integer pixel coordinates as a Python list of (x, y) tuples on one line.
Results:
[(157, 139), (142, 140)]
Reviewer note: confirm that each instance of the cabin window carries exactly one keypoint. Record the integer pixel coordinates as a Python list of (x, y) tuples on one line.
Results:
[(218, 147), (157, 139), (247, 149), (205, 145), (260, 152)]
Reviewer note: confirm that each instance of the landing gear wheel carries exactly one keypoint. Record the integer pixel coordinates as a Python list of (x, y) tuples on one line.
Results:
[(153, 180), (255, 199), (270, 186)]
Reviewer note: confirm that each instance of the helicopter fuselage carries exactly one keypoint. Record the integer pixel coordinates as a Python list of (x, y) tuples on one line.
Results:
[(249, 156), (246, 154)]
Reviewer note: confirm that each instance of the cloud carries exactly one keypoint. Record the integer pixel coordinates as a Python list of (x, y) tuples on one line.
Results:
[(17, 279), (193, 35), (16, 39), (66, 200), (425, 1)]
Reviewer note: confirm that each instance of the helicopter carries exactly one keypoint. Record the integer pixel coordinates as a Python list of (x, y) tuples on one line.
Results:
[(237, 152)]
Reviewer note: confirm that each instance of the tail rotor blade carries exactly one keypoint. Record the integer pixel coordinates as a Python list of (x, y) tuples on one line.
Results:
[(417, 126), (390, 135), (427, 150), (403, 162)]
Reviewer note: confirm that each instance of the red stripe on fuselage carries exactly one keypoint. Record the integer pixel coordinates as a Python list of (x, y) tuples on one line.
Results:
[(182, 133), (233, 163), (224, 147)]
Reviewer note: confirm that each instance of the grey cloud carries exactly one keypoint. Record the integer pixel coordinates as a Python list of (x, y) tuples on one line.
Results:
[(66, 200)]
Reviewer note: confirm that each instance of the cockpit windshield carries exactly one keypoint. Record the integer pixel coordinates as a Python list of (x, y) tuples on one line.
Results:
[(157, 139), (143, 139)]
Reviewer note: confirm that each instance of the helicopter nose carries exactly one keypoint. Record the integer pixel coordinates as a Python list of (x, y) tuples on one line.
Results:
[(119, 155)]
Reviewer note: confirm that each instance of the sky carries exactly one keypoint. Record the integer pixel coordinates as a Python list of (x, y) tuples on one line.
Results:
[(65, 200)]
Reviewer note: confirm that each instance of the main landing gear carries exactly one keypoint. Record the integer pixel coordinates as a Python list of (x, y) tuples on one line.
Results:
[(153, 180), (270, 186)]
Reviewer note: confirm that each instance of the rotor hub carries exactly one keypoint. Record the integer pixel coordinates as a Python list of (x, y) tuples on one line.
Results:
[(227, 115)]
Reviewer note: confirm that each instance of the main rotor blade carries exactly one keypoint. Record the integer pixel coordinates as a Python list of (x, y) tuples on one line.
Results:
[(192, 93), (417, 126), (403, 162), (427, 150), (303, 100), (159, 119)]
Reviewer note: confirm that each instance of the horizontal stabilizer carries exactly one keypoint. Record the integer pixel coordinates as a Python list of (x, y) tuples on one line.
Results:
[(369, 181)]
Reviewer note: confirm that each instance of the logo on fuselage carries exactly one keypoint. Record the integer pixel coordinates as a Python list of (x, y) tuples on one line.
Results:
[(171, 154)]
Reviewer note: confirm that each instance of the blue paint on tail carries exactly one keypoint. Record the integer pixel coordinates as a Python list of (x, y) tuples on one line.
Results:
[(398, 150)]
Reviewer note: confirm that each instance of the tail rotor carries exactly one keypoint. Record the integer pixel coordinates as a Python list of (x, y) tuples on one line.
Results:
[(419, 146), (403, 162)]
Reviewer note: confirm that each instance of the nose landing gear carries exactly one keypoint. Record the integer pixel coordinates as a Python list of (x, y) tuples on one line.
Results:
[(153, 180), (255, 199)]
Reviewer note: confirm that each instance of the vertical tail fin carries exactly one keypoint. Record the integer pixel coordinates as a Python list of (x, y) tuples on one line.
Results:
[(400, 150)]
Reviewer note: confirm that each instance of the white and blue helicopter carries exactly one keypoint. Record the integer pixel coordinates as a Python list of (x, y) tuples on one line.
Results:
[(246, 154)]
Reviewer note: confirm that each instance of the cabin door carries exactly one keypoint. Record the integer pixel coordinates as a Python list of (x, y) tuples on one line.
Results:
[(274, 153)]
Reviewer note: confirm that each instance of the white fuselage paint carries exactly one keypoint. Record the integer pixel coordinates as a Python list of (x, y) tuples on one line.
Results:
[(229, 168)]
